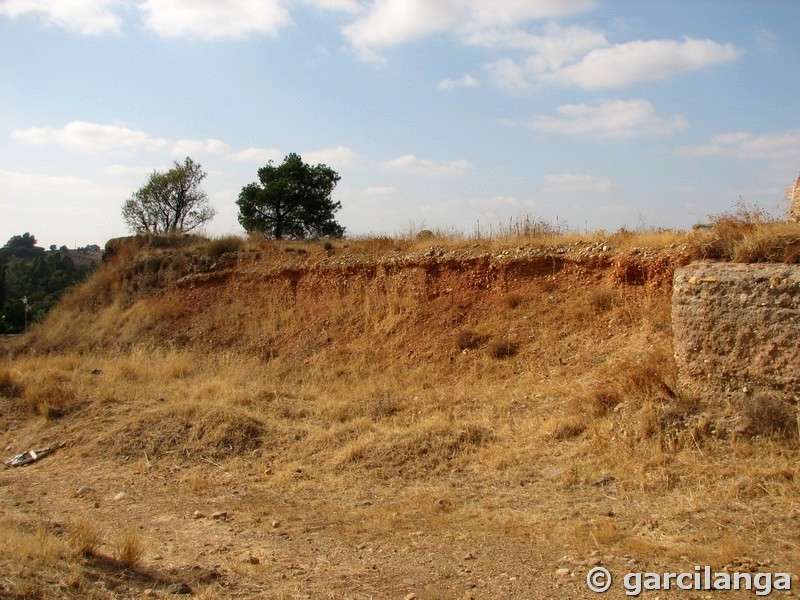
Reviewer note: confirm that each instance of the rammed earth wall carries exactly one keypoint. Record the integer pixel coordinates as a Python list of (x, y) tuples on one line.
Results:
[(737, 329)]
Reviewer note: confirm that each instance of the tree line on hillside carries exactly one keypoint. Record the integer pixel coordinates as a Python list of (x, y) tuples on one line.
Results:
[(289, 201), (32, 279)]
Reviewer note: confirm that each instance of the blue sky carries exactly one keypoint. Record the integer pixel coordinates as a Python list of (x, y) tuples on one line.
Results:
[(444, 114)]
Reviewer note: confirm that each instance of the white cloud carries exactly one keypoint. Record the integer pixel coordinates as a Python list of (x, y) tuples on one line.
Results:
[(687, 189), (550, 51), (392, 22), (215, 18), (350, 6), (200, 148), (92, 138), (467, 81), (564, 183), (423, 166), (783, 145), (258, 155), (770, 146), (623, 64), (337, 157), (85, 16), (609, 119), (509, 74), (172, 18), (727, 139), (556, 47), (583, 57), (29, 181)]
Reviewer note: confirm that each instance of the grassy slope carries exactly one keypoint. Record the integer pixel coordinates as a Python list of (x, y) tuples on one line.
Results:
[(490, 414)]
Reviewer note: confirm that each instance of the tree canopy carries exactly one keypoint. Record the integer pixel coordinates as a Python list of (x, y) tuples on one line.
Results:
[(292, 200), (170, 202), (21, 246), (33, 279)]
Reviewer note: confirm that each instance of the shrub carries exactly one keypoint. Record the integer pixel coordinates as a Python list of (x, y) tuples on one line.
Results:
[(503, 348), (223, 245), (469, 339), (768, 415)]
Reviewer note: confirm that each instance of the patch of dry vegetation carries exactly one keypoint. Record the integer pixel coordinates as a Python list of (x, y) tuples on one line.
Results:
[(425, 416), (222, 245), (749, 234)]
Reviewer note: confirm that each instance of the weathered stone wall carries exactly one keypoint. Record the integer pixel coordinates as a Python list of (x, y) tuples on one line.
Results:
[(737, 329), (794, 202)]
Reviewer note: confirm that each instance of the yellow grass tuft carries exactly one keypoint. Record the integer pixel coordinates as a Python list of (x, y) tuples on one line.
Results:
[(128, 548), (84, 537)]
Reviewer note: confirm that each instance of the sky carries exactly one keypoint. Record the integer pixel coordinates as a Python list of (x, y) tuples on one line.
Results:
[(454, 115)]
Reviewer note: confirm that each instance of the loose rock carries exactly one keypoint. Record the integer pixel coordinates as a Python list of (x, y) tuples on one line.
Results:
[(179, 588)]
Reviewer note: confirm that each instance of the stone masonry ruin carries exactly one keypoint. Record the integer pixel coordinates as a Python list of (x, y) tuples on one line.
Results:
[(737, 330)]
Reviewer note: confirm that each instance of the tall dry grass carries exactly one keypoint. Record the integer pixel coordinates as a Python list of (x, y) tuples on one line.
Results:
[(749, 234)]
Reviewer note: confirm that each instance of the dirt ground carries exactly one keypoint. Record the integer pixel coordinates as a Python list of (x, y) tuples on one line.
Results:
[(289, 535)]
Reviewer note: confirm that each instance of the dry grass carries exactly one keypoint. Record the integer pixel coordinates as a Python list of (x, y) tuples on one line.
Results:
[(749, 234), (502, 348), (50, 394), (469, 339), (222, 245), (768, 415), (84, 537), (34, 561), (128, 548), (10, 383), (370, 432)]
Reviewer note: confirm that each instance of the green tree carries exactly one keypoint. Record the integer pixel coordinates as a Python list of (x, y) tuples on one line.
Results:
[(292, 200), (28, 271), (22, 246), (170, 202)]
